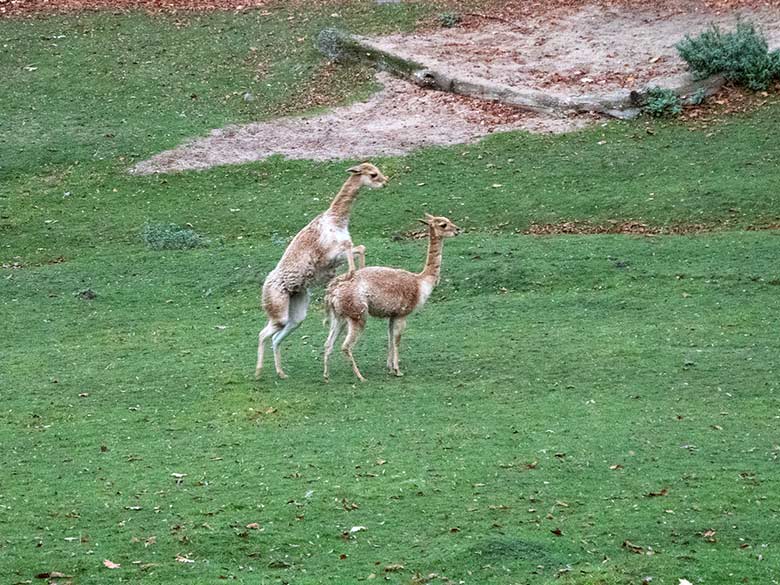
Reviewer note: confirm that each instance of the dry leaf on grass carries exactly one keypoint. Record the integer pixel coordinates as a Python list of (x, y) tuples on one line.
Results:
[(394, 567), (347, 534), (663, 492), (634, 548), (349, 506), (110, 564)]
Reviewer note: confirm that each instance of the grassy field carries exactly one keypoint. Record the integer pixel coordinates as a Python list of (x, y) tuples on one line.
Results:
[(576, 410)]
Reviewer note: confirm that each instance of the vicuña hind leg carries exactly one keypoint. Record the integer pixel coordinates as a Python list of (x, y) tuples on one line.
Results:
[(270, 328), (277, 305), (299, 304), (354, 329), (399, 325), (336, 327)]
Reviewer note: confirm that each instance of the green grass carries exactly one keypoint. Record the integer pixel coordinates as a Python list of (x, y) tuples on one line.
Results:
[(552, 384)]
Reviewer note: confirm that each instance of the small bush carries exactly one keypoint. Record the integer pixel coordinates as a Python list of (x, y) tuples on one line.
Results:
[(661, 103), (741, 56), (330, 42), (86, 295), (698, 98), (449, 19), (169, 236)]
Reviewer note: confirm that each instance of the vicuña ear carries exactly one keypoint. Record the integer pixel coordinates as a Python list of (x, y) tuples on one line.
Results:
[(354, 170), (428, 216), (423, 221)]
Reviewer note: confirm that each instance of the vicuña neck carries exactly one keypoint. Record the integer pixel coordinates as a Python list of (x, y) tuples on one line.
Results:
[(342, 204), (432, 267)]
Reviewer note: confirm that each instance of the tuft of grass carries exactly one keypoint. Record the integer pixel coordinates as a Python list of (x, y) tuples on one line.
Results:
[(741, 56), (449, 19), (330, 42), (662, 103), (698, 97), (169, 236)]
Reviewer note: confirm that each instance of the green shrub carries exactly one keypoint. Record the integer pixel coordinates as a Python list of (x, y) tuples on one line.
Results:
[(699, 97), (449, 19), (169, 236), (661, 103), (330, 42), (741, 56)]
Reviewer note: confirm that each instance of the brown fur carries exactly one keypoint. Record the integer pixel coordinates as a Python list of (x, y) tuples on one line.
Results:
[(313, 256), (376, 291), (388, 293), (305, 262)]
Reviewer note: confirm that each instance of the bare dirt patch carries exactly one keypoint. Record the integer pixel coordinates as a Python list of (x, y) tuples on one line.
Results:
[(396, 120), (729, 101), (633, 228), (33, 7), (615, 227), (473, 11), (573, 51), (572, 48)]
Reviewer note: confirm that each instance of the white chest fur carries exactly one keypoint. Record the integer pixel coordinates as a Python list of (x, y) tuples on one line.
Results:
[(333, 236), (426, 286)]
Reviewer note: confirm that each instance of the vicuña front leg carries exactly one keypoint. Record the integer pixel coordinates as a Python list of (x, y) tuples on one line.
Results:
[(360, 252), (390, 344), (351, 252), (399, 324)]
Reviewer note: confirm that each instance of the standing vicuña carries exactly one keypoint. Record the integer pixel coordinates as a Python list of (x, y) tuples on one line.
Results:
[(388, 293), (311, 257)]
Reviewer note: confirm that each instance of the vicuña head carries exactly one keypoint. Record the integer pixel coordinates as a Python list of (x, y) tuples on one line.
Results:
[(441, 226), (370, 176)]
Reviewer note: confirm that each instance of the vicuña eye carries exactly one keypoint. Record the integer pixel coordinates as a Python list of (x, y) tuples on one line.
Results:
[(373, 175)]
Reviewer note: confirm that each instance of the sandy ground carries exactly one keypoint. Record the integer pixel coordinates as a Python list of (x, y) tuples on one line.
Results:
[(593, 49), (396, 120), (579, 50)]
